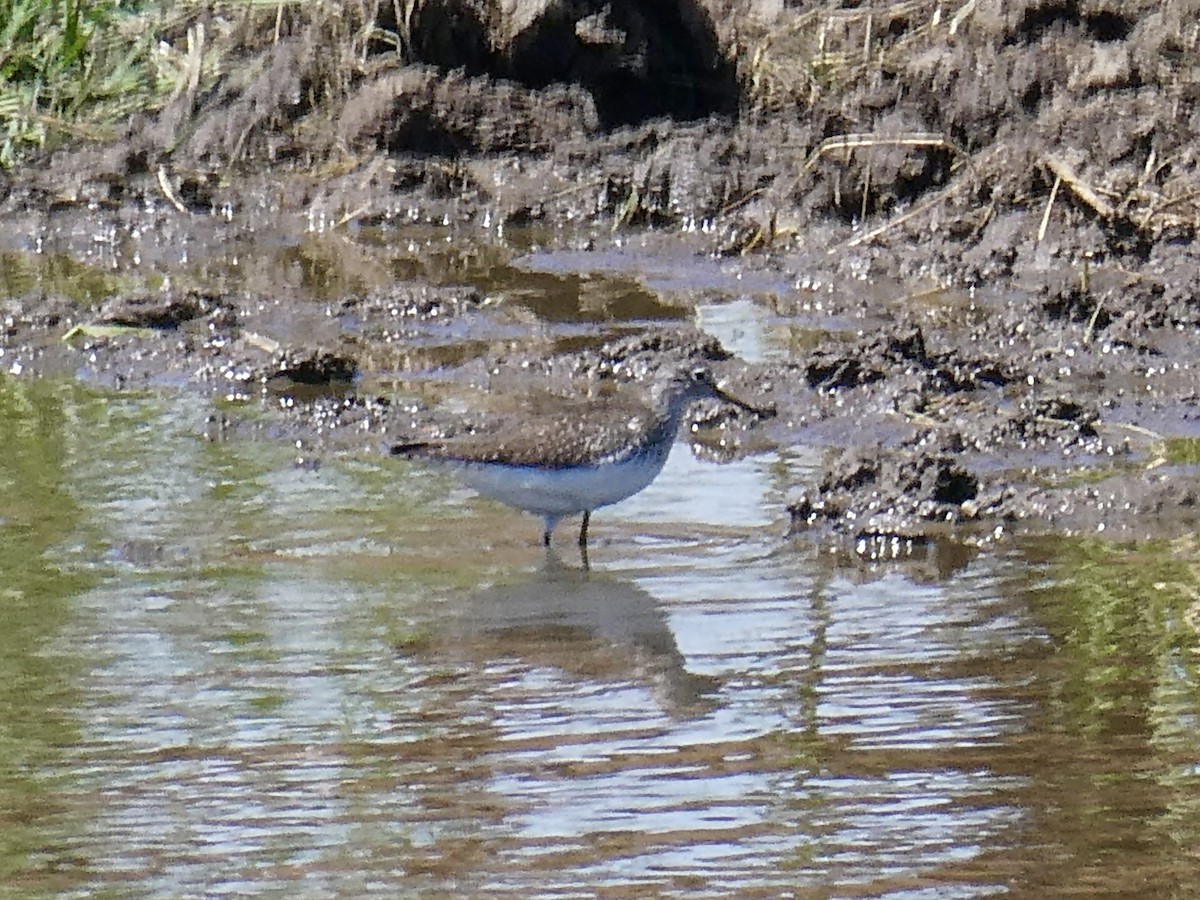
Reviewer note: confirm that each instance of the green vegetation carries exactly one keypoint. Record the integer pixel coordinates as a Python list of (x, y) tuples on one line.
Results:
[(1125, 618), (39, 691), (69, 67), (1182, 451), (23, 273), (74, 69)]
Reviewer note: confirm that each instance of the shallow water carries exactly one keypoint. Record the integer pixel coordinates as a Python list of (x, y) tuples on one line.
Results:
[(224, 671), (226, 674)]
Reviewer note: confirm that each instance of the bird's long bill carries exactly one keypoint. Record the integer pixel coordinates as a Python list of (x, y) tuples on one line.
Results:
[(763, 412)]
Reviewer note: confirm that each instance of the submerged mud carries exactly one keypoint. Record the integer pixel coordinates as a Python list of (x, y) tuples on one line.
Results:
[(1027, 172)]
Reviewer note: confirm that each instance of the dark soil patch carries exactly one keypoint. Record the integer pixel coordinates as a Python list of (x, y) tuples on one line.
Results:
[(164, 312), (901, 491)]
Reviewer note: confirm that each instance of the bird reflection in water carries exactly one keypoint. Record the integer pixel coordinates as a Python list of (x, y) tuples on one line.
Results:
[(589, 625)]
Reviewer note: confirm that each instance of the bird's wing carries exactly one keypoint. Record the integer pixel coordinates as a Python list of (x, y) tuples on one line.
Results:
[(596, 432)]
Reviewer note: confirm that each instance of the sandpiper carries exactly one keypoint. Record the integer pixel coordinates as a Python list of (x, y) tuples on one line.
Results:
[(581, 456)]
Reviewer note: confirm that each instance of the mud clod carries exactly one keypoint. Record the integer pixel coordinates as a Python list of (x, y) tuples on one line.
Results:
[(895, 491), (901, 350), (636, 356), (163, 313), (307, 371)]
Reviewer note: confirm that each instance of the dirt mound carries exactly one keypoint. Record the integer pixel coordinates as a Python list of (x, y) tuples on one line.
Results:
[(994, 140), (900, 492)]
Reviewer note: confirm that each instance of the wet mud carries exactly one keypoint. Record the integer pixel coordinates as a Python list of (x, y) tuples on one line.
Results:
[(980, 224)]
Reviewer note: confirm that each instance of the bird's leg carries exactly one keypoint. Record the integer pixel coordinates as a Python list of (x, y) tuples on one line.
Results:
[(550, 521), (583, 529)]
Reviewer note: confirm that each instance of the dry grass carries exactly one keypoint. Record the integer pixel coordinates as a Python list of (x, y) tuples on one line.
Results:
[(964, 70)]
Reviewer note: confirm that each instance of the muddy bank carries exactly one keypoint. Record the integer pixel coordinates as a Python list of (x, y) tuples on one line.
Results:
[(979, 225), (1003, 138), (972, 433)]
